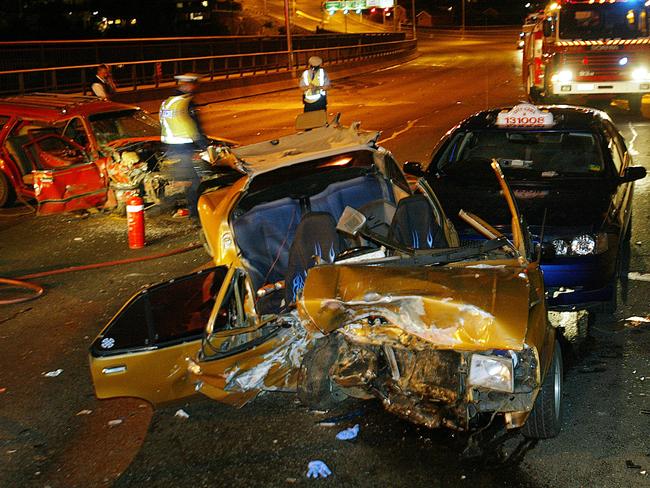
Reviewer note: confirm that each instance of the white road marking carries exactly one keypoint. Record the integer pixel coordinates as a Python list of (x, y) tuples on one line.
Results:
[(409, 126), (630, 146)]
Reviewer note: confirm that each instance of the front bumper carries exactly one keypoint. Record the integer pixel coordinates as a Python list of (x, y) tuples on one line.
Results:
[(573, 88), (579, 282), (430, 387)]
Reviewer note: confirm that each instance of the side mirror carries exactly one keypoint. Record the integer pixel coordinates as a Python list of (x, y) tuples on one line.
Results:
[(633, 173), (413, 168), (351, 222), (548, 27)]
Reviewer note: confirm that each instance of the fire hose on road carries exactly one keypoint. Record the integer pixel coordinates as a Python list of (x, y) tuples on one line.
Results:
[(37, 290)]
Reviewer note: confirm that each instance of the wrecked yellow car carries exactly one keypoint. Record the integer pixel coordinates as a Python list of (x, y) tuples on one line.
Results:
[(334, 279)]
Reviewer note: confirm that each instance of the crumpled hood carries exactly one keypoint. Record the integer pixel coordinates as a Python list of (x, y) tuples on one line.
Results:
[(469, 308)]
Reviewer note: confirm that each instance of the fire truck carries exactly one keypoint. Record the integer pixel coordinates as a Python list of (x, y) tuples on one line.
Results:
[(586, 50)]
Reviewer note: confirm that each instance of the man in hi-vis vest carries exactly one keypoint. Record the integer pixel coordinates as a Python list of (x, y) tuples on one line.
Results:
[(181, 131), (314, 82)]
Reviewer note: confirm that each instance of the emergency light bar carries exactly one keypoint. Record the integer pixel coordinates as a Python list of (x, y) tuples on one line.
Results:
[(525, 115)]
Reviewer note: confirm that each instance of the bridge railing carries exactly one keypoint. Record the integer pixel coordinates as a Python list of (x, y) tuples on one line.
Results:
[(152, 71)]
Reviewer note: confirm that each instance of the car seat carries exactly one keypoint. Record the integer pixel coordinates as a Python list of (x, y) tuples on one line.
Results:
[(414, 225), (316, 237)]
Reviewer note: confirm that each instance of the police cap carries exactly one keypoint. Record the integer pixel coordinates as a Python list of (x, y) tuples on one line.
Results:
[(315, 61), (188, 77)]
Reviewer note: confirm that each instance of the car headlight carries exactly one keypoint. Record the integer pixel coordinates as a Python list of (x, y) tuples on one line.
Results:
[(640, 74), (561, 247), (563, 76), (492, 372), (582, 245)]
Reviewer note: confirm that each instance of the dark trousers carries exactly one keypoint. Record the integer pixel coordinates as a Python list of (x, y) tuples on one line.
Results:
[(183, 170), (320, 104)]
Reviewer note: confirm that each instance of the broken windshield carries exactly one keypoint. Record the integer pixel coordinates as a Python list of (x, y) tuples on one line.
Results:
[(124, 124)]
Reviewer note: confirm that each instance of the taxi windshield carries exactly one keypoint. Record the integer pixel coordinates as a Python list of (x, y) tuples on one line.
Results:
[(603, 21), (523, 154), (123, 124)]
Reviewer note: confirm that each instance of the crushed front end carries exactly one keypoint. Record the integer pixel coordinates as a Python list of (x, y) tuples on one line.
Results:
[(445, 347)]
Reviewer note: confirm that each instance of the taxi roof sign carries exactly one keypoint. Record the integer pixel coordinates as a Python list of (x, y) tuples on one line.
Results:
[(525, 115)]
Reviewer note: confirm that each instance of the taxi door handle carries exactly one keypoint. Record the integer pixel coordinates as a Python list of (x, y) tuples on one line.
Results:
[(114, 370)]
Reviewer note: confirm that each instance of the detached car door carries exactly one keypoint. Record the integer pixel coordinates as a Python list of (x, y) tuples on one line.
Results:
[(65, 179), (186, 335)]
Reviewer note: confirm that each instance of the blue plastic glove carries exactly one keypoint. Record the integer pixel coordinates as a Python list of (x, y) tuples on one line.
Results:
[(348, 434), (318, 469)]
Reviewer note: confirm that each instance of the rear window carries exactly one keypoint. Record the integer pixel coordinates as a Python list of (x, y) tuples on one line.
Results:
[(307, 178), (523, 153)]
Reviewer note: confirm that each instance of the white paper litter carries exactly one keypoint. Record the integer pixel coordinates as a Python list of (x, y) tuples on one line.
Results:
[(637, 319), (180, 413), (53, 374)]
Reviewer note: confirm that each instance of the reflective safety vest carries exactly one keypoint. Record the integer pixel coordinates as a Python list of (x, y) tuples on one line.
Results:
[(314, 85), (177, 126)]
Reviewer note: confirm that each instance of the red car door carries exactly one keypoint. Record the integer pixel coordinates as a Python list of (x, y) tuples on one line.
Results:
[(65, 180)]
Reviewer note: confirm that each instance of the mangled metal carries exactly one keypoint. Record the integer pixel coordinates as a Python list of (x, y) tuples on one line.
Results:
[(438, 332)]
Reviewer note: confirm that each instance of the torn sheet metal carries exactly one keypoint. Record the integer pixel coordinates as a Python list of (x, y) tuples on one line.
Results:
[(286, 151), (445, 307), (272, 366)]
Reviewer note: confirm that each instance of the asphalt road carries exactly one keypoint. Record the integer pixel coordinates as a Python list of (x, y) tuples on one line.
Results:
[(53, 432)]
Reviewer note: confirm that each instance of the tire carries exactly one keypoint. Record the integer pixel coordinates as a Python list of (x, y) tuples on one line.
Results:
[(7, 192), (628, 231), (546, 418), (634, 103), (610, 306), (316, 389)]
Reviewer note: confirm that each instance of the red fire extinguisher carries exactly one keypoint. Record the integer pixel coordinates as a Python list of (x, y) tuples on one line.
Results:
[(135, 219)]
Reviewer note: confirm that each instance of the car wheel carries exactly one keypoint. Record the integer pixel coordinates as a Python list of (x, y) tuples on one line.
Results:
[(628, 231), (7, 192), (316, 389), (545, 420), (611, 306), (634, 103)]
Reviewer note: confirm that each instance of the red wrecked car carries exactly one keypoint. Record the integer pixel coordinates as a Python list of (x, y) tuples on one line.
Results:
[(67, 151)]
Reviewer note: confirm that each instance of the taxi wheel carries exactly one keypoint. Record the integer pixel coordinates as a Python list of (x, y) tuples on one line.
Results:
[(628, 231), (546, 418), (634, 104), (7, 193), (611, 306), (316, 389)]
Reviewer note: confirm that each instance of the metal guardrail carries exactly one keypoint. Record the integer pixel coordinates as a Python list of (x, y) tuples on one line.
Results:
[(153, 71), (496, 32)]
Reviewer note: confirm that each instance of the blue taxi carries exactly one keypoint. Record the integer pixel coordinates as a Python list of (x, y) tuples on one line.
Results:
[(573, 178)]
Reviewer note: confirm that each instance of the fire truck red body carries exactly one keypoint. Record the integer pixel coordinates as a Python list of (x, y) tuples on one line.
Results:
[(581, 50)]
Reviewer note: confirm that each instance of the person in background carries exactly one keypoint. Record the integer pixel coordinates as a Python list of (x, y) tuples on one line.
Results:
[(103, 87), (314, 82), (183, 134)]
